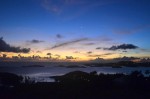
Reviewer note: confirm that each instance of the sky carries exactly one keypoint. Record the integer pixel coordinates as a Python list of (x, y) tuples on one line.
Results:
[(75, 29)]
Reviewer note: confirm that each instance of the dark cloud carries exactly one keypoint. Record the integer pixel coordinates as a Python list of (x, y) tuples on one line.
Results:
[(108, 54), (69, 43), (96, 55), (89, 44), (57, 55), (125, 58), (90, 52), (4, 47), (38, 52), (49, 54), (19, 55), (124, 51), (34, 41), (122, 47), (114, 60), (4, 55), (59, 36), (98, 48), (70, 57), (100, 55)]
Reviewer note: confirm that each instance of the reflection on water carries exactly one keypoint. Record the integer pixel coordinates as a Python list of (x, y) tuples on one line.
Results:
[(42, 74)]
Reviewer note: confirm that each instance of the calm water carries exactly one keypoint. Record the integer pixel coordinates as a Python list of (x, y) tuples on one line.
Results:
[(41, 74)]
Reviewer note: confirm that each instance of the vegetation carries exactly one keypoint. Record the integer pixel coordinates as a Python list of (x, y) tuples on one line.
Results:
[(77, 85)]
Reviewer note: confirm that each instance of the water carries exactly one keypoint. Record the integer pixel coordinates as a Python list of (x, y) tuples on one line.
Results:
[(42, 74)]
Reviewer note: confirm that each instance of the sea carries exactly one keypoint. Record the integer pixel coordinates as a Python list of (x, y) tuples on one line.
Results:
[(42, 71)]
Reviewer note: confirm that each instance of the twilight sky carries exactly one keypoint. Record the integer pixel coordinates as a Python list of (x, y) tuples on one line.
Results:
[(75, 29)]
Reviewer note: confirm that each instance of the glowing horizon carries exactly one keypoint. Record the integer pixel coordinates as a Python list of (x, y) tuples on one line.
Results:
[(75, 30)]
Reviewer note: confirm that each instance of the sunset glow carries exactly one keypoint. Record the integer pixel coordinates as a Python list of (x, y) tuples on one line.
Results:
[(74, 30)]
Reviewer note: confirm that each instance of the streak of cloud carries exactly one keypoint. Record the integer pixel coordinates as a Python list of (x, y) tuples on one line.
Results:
[(100, 55), (69, 43), (89, 44), (132, 30)]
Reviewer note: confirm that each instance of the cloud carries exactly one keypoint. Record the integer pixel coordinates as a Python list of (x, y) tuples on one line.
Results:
[(124, 51), (145, 50), (59, 36), (57, 55), (89, 44), (38, 52), (76, 52), (99, 48), (114, 60), (108, 54), (52, 6), (90, 52), (125, 58), (132, 30), (4, 55), (34, 41), (49, 54), (69, 43), (4, 47), (100, 55), (70, 57), (96, 55), (122, 47), (71, 9)]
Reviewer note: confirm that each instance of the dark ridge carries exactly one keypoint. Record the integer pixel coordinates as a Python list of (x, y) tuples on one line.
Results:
[(77, 85)]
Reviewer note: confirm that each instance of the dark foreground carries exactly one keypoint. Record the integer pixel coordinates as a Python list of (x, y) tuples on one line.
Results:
[(77, 85)]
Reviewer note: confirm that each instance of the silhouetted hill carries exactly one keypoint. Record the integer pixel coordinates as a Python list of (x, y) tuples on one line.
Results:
[(79, 85), (120, 63)]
